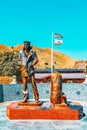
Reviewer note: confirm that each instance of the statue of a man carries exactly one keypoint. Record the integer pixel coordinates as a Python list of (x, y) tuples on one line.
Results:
[(28, 59)]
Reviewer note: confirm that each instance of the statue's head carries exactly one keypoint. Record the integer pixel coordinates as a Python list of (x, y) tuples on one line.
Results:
[(27, 45)]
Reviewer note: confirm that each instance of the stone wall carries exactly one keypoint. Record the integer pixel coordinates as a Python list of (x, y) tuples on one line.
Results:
[(72, 91)]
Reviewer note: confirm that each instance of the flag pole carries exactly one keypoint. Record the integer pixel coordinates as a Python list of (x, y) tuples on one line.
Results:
[(52, 65)]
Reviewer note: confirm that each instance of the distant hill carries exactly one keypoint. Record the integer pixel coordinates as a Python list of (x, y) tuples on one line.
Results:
[(9, 57), (4, 48), (44, 55)]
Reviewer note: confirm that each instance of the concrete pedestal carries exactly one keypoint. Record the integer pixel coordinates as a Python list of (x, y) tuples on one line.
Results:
[(17, 111)]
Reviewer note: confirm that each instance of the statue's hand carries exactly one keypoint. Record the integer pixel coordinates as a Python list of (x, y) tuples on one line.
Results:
[(29, 54)]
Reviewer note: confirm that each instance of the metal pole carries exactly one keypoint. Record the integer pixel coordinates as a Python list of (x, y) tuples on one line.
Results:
[(52, 67)]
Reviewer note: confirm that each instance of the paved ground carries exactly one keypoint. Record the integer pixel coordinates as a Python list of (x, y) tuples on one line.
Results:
[(6, 124)]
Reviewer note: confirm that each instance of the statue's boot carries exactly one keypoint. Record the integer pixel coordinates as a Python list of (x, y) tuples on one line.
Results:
[(37, 101), (36, 95), (25, 96)]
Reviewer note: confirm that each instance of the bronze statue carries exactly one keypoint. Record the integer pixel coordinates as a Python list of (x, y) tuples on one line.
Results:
[(28, 59), (57, 97), (56, 88)]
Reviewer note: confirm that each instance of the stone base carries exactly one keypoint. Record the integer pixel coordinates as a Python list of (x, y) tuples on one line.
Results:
[(62, 105), (29, 103), (15, 111)]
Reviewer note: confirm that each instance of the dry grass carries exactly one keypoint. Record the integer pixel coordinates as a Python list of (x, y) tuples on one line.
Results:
[(44, 55), (4, 48), (5, 79)]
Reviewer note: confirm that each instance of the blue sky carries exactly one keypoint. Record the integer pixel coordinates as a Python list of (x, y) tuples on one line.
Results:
[(34, 20)]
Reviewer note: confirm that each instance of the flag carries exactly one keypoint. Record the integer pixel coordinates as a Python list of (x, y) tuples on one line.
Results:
[(58, 42), (58, 36)]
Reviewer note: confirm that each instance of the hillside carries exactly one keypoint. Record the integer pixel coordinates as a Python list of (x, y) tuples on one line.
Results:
[(44, 55), (4, 48), (9, 60)]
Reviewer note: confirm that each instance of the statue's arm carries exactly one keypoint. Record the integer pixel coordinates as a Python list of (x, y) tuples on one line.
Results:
[(20, 58), (36, 60)]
